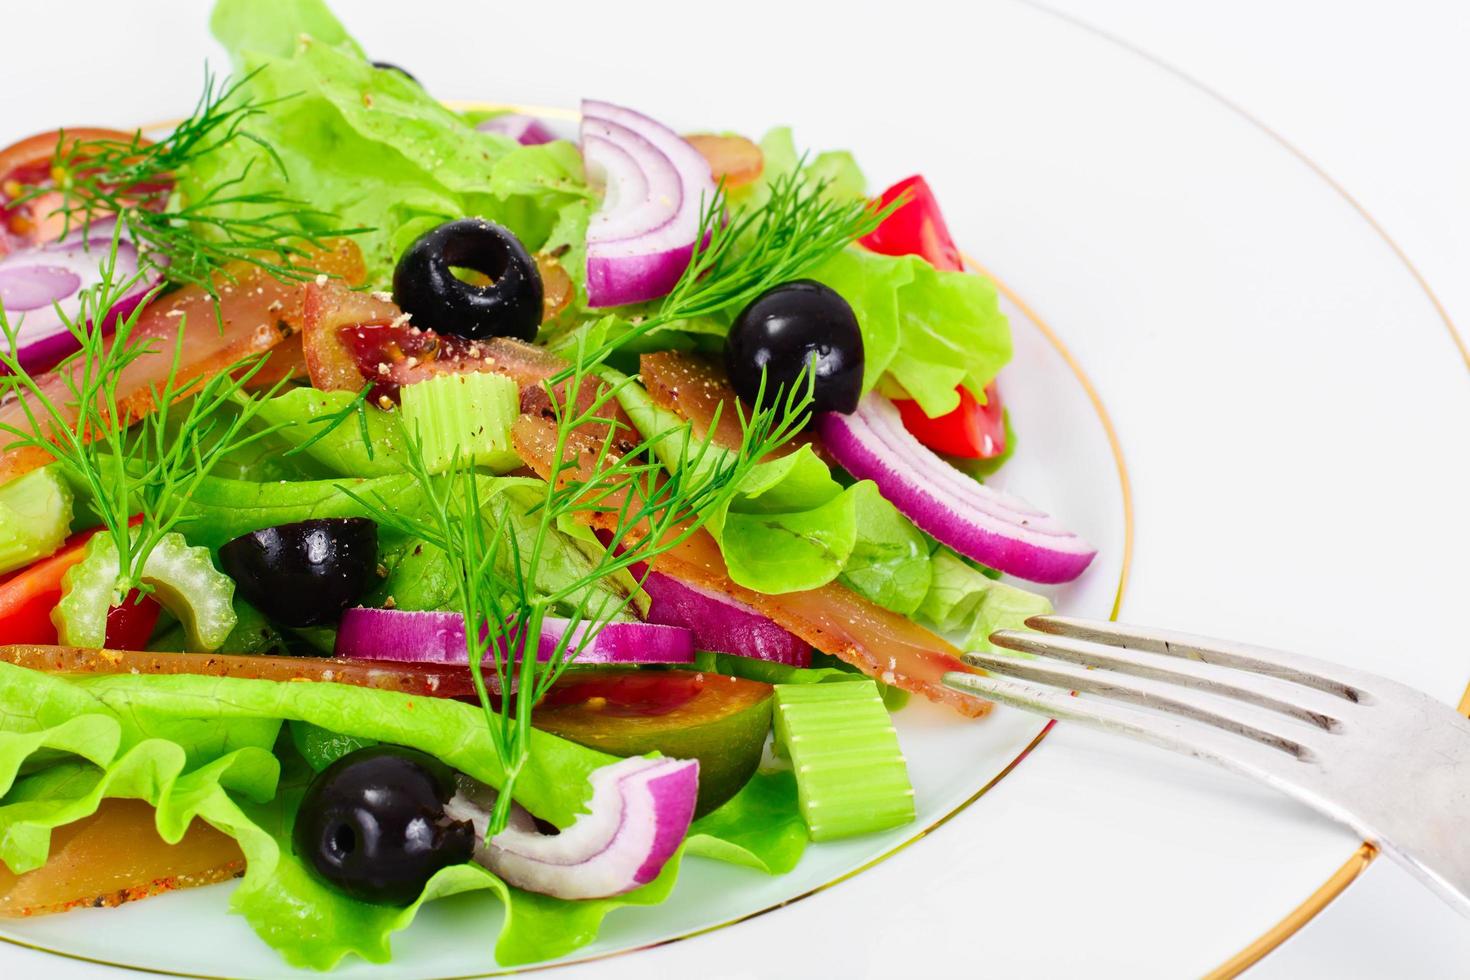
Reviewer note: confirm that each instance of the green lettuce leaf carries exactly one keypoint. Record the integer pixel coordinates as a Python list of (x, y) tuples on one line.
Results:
[(760, 827), (302, 415), (889, 563), (964, 600), (369, 148), (199, 748), (222, 509), (789, 526), (930, 330)]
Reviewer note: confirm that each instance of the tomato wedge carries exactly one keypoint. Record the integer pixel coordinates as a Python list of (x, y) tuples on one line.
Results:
[(971, 431), (27, 163), (28, 595), (916, 228)]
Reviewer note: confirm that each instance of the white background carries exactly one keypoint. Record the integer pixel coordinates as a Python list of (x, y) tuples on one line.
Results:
[(1374, 93)]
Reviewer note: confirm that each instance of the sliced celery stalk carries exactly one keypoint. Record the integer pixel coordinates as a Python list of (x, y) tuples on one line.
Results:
[(35, 514), (184, 581), (850, 773), (471, 413)]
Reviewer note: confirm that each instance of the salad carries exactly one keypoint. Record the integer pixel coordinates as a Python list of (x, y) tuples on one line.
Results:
[(398, 502)]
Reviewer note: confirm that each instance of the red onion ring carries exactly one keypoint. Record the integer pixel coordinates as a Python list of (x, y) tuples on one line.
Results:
[(998, 529)]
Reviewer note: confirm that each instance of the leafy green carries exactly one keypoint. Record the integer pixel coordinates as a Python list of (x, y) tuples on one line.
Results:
[(371, 148), (930, 330), (760, 827), (224, 509), (369, 443), (792, 526), (889, 563), (845, 181), (552, 784), (964, 600)]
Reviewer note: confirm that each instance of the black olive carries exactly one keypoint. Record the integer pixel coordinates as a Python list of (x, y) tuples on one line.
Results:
[(390, 66), (372, 824), (304, 574), (424, 286), (785, 329)]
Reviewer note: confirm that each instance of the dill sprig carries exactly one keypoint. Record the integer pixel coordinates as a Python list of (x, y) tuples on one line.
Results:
[(82, 414), (739, 255), (192, 242), (645, 509)]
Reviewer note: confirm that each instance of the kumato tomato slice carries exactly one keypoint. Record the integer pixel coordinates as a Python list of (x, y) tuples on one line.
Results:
[(721, 721)]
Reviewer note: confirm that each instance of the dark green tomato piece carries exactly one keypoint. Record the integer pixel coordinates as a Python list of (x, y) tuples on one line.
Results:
[(390, 66), (425, 285), (372, 824), (785, 329), (304, 574)]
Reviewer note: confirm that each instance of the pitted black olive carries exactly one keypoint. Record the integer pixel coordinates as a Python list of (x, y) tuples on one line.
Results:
[(425, 286), (372, 824), (785, 329), (304, 574)]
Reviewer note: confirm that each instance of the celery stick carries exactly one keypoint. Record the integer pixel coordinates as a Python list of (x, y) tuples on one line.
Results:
[(850, 773), (468, 413), (35, 514)]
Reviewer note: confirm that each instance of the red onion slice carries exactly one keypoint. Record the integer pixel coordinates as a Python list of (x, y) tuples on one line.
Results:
[(35, 281), (641, 239), (997, 529), (643, 200), (639, 813), (438, 638), (722, 624), (525, 130)]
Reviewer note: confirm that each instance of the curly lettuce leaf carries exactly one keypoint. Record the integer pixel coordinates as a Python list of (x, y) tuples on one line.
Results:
[(198, 748), (368, 148), (221, 509), (760, 827), (929, 330), (889, 563), (964, 600)]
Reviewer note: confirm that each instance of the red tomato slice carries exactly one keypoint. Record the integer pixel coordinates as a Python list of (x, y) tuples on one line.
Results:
[(916, 228), (28, 596), (28, 163), (971, 431)]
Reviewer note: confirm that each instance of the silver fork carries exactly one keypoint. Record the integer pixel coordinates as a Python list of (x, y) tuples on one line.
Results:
[(1391, 763)]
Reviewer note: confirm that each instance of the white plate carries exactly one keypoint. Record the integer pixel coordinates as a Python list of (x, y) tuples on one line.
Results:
[(1293, 409)]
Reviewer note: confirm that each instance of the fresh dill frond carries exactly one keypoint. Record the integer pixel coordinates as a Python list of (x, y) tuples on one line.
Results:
[(739, 255), (118, 443), (644, 509), (191, 242)]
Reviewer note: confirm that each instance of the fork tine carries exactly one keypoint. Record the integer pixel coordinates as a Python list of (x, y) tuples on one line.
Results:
[(1144, 693), (1307, 671), (1264, 692), (1176, 734)]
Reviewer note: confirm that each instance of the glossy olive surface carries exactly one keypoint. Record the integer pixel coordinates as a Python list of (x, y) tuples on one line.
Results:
[(424, 283), (304, 574), (372, 824), (788, 327)]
